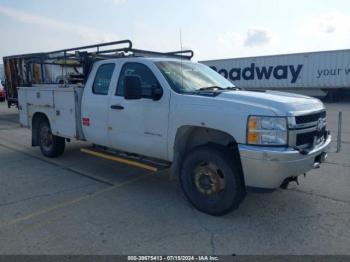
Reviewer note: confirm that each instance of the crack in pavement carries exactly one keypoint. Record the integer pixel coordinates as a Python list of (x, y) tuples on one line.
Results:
[(337, 164), (320, 196), (195, 213), (224, 228), (320, 215), (200, 223), (205, 229)]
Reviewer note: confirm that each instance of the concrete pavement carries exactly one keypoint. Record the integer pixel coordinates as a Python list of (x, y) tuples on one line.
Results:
[(79, 204)]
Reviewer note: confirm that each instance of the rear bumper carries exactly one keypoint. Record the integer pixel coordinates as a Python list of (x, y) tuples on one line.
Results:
[(267, 167)]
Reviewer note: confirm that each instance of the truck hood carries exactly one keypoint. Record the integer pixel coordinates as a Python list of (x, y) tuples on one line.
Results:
[(281, 103)]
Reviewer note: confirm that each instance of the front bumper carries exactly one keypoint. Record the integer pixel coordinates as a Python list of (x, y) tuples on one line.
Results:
[(268, 167)]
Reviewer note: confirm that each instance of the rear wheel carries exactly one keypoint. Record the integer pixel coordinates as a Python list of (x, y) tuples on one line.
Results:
[(211, 179), (50, 145)]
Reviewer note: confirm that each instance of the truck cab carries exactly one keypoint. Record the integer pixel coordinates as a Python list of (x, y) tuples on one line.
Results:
[(137, 124)]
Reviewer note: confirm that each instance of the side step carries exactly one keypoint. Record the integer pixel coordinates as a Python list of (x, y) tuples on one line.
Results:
[(126, 158)]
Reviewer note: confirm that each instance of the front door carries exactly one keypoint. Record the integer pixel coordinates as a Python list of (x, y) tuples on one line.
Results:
[(95, 104), (139, 126)]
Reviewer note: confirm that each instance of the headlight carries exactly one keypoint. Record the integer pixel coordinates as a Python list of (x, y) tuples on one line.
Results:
[(264, 130)]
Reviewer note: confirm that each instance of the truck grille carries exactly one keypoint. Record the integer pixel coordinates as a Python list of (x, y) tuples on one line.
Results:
[(310, 118), (309, 130), (308, 138)]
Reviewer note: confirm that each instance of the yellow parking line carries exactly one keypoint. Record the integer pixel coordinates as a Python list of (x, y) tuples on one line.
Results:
[(119, 159), (65, 204)]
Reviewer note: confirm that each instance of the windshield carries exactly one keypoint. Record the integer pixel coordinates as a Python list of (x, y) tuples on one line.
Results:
[(185, 77)]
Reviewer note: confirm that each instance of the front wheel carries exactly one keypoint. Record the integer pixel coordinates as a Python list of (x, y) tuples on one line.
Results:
[(50, 145), (211, 179)]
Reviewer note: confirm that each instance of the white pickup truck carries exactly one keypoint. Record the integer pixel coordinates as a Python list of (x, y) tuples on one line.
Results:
[(218, 139)]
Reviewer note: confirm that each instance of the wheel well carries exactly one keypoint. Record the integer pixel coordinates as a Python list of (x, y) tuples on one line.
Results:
[(36, 120), (189, 137)]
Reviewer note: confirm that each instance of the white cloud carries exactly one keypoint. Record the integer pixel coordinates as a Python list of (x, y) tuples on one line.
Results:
[(86, 33), (334, 24), (257, 36), (326, 31), (231, 44)]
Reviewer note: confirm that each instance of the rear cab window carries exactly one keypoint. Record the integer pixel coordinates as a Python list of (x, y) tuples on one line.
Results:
[(103, 79)]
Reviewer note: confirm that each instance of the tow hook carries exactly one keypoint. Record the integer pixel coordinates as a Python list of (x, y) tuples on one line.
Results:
[(286, 182), (302, 151)]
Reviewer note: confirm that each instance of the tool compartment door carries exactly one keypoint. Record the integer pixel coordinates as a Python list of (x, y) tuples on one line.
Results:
[(65, 113), (22, 107), (38, 97)]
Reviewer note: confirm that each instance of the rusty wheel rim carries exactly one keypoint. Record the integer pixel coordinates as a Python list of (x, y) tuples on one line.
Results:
[(46, 137), (209, 179)]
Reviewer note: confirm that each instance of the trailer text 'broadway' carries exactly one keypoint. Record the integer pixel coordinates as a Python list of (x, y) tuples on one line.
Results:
[(316, 73)]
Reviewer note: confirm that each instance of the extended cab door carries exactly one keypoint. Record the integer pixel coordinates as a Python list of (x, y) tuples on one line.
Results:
[(139, 126), (95, 104)]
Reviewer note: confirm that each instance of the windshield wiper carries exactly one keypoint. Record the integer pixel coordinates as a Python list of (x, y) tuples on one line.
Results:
[(217, 88), (211, 88)]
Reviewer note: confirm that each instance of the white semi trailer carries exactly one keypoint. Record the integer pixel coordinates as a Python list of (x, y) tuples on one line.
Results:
[(315, 73)]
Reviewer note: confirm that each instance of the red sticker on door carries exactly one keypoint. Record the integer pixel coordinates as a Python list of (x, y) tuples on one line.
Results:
[(86, 121)]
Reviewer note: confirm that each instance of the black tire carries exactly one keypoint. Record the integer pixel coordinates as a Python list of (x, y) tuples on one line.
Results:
[(50, 145), (227, 189)]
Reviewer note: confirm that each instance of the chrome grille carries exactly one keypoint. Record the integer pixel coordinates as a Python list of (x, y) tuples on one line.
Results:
[(308, 130), (308, 138), (310, 117)]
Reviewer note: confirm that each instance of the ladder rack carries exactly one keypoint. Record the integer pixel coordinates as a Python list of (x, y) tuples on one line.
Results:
[(71, 65), (79, 52)]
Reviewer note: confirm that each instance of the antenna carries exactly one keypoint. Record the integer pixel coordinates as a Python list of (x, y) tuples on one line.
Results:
[(181, 48), (182, 74)]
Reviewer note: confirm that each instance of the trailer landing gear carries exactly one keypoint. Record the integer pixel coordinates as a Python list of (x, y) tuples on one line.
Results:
[(335, 95)]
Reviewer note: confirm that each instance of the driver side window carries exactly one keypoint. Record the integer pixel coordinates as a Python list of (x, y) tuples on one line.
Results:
[(148, 80)]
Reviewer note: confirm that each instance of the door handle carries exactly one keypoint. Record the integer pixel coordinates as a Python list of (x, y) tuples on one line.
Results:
[(117, 107)]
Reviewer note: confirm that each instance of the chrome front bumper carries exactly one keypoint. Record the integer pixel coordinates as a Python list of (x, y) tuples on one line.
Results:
[(268, 167)]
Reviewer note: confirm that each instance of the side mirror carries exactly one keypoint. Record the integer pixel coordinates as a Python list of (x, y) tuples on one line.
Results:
[(157, 93), (132, 88)]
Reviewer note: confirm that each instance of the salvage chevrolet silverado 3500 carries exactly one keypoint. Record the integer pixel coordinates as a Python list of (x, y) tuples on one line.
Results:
[(218, 140)]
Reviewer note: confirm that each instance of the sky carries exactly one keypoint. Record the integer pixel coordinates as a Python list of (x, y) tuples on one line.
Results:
[(213, 29)]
